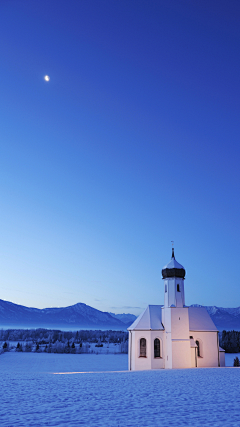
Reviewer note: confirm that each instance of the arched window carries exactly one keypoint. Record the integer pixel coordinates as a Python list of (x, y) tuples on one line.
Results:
[(198, 348), (143, 347), (157, 347), (178, 288)]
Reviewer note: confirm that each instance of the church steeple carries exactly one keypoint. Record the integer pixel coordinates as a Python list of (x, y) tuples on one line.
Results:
[(173, 269), (173, 274)]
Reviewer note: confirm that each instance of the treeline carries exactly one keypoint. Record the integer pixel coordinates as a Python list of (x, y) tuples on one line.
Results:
[(230, 341), (47, 336), (59, 347), (57, 341)]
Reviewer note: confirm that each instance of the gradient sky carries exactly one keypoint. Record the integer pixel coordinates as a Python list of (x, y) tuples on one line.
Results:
[(133, 143)]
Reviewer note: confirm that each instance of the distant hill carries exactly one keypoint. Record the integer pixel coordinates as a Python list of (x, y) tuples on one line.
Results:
[(128, 318), (76, 316), (224, 318)]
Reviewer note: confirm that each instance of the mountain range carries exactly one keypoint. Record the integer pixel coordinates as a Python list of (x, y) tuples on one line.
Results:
[(73, 317), (82, 316)]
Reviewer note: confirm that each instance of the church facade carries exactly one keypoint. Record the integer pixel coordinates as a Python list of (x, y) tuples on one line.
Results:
[(174, 335)]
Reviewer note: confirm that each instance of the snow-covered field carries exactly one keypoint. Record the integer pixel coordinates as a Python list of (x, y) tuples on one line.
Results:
[(34, 393)]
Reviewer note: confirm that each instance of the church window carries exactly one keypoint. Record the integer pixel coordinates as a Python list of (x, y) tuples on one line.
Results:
[(198, 348), (143, 347), (178, 288), (157, 347), (165, 288)]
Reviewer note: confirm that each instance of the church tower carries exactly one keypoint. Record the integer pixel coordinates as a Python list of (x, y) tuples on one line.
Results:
[(173, 274), (175, 317)]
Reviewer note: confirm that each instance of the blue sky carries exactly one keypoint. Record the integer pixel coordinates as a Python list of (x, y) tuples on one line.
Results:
[(133, 143)]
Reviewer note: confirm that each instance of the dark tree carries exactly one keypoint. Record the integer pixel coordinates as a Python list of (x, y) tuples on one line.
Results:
[(19, 347), (236, 362), (230, 341), (5, 346)]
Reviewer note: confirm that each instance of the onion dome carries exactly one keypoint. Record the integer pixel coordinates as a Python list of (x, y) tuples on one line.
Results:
[(173, 269)]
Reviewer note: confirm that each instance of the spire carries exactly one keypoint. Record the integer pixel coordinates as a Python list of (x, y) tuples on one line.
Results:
[(173, 268), (173, 257)]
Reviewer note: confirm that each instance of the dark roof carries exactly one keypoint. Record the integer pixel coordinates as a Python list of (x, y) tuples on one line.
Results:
[(173, 269)]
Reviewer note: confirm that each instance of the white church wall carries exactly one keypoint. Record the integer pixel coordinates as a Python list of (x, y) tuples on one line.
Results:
[(166, 318), (179, 294), (130, 351), (157, 363), (173, 296), (171, 292), (179, 323), (179, 302), (222, 358), (141, 363), (177, 343), (208, 348), (181, 354), (168, 350), (136, 362)]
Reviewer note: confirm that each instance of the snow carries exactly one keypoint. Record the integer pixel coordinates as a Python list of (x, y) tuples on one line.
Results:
[(173, 264), (200, 320), (33, 394), (151, 318)]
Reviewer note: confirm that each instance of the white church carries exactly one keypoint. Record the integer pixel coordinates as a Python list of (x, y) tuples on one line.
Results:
[(174, 336)]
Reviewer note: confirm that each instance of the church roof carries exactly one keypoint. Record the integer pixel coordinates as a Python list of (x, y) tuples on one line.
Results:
[(199, 320), (173, 264), (173, 269), (150, 319)]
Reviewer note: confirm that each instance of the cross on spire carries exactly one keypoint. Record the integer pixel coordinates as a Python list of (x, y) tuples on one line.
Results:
[(172, 249)]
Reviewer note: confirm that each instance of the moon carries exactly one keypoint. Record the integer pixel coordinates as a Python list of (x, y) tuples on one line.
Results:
[(46, 78)]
